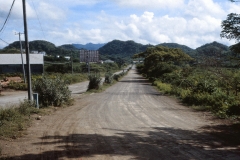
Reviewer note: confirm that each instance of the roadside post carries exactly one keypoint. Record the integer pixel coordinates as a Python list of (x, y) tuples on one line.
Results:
[(35, 98)]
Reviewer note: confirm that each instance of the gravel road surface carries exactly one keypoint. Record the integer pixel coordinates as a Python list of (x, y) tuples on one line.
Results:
[(130, 120)]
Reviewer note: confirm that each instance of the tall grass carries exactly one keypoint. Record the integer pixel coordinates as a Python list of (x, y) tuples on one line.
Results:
[(15, 119)]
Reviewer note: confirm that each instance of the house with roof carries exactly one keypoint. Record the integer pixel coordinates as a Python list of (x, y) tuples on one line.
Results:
[(12, 63)]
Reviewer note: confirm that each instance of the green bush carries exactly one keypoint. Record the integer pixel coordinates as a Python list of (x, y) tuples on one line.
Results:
[(17, 86), (218, 102), (94, 81), (116, 77), (52, 91), (179, 92), (108, 78), (166, 88)]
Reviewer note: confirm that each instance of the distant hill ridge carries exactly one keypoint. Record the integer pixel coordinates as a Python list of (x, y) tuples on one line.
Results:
[(121, 49), (89, 46)]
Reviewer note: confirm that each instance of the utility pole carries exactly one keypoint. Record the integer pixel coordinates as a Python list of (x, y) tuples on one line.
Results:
[(72, 60), (23, 68), (88, 62), (27, 51)]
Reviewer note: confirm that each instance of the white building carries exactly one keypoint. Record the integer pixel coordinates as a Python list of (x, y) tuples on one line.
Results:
[(12, 63)]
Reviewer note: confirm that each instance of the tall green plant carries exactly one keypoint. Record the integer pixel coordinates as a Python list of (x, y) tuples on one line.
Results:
[(94, 81), (52, 91), (108, 77)]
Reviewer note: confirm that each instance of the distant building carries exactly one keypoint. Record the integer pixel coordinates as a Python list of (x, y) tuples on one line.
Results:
[(108, 61), (89, 56), (12, 63)]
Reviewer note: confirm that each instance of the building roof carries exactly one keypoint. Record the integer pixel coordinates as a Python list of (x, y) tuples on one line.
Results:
[(16, 59)]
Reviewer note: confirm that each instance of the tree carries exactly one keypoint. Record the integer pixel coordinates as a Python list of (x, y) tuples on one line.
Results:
[(231, 27), (160, 60)]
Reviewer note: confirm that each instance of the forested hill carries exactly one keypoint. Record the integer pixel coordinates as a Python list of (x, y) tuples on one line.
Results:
[(40, 45), (122, 49), (88, 46), (213, 49), (37, 45), (184, 48)]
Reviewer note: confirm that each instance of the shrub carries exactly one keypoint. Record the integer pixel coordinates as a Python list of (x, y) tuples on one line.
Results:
[(218, 102), (179, 92), (166, 88), (17, 86), (108, 78), (94, 81), (52, 91), (116, 77)]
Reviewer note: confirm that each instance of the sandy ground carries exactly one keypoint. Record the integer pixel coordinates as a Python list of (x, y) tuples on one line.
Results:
[(130, 120)]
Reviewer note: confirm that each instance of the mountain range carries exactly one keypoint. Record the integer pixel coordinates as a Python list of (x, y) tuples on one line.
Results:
[(119, 49)]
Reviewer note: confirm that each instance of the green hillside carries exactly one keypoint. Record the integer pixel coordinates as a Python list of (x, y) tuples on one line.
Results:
[(40, 45), (184, 48), (213, 49), (122, 49)]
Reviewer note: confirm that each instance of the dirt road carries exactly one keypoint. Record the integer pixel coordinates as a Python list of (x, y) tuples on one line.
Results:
[(130, 120)]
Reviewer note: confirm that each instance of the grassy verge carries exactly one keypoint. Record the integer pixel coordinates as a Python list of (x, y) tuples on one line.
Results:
[(14, 120), (218, 102)]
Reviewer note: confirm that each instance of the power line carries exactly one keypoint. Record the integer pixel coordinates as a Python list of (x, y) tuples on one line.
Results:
[(39, 20), (4, 41), (7, 16)]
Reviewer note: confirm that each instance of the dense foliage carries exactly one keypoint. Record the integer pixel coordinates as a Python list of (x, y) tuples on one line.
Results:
[(230, 27), (40, 46), (161, 60), (184, 48), (231, 30), (213, 88), (108, 78), (214, 54), (68, 67), (121, 49), (94, 81), (52, 91)]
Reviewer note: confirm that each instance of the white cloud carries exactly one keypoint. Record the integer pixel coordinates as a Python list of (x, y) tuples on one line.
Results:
[(189, 22), (151, 4), (51, 12), (202, 8)]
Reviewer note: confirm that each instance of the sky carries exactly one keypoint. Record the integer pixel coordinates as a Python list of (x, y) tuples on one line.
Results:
[(187, 22)]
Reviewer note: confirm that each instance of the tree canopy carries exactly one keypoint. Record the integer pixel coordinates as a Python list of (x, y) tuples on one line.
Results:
[(160, 60), (231, 27)]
